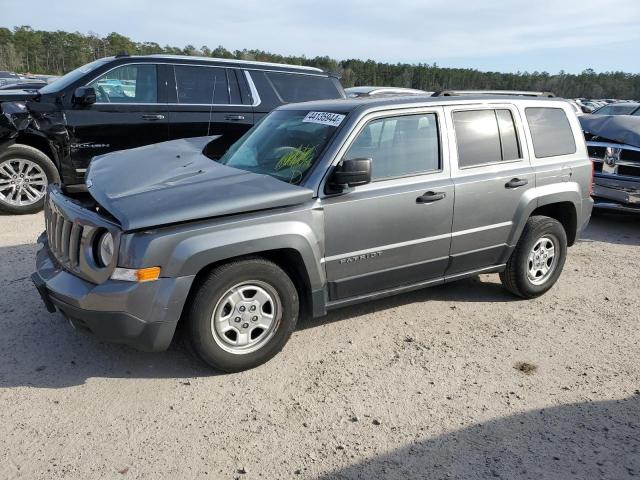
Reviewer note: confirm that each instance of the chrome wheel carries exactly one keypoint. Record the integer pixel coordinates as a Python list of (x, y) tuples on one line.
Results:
[(246, 317), (542, 260), (22, 182)]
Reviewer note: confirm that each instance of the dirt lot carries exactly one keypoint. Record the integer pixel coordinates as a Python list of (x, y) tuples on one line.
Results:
[(423, 385)]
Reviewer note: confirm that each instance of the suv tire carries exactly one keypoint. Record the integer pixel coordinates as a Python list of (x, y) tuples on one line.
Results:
[(243, 314), (35, 165), (538, 259)]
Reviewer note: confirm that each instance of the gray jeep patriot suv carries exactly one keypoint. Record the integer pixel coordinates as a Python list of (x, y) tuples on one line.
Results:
[(320, 205)]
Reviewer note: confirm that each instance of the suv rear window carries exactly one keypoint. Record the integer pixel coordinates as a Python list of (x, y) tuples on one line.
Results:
[(550, 131), (292, 87), (202, 85), (485, 136)]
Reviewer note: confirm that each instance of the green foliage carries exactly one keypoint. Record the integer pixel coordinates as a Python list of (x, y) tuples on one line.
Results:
[(25, 50)]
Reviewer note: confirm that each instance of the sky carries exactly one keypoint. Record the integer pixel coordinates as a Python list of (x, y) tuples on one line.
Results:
[(489, 35)]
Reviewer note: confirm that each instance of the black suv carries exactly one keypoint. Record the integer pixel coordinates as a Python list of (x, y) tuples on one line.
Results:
[(123, 102)]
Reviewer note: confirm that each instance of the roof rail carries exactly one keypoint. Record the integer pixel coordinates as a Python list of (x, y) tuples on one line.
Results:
[(524, 93), (233, 60)]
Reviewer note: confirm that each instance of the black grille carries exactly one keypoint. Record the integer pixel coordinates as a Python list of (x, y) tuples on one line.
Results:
[(629, 170), (596, 152), (64, 238)]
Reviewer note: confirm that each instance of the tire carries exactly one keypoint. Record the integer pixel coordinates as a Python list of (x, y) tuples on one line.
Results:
[(523, 275), (37, 165), (223, 293)]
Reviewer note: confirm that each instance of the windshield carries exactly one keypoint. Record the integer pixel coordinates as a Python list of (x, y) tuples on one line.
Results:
[(66, 80), (285, 144)]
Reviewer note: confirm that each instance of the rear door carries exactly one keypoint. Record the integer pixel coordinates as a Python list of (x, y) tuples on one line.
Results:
[(206, 100), (130, 111), (396, 230), (491, 173)]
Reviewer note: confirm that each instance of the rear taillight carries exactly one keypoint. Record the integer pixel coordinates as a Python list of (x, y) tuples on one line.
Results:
[(593, 168)]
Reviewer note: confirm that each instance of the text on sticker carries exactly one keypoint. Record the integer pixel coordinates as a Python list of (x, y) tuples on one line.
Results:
[(324, 118)]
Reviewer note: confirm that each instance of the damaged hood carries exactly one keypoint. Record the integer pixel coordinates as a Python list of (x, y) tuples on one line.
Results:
[(17, 95), (616, 128), (174, 182)]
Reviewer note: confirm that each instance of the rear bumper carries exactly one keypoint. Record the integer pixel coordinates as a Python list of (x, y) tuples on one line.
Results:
[(142, 315)]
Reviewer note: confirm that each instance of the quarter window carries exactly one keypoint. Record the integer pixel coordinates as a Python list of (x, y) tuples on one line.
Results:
[(127, 84), (485, 136), (550, 131), (201, 85), (399, 146), (303, 88)]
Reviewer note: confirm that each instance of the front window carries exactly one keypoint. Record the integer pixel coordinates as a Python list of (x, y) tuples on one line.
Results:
[(127, 84), (285, 144)]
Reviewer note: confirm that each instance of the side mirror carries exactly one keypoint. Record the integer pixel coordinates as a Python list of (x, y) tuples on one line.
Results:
[(351, 173), (84, 96)]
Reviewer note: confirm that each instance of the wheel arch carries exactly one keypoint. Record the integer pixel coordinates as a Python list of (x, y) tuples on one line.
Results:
[(565, 213), (288, 259), (40, 143), (561, 201)]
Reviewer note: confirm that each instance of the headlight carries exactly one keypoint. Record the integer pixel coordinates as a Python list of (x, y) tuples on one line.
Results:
[(105, 249)]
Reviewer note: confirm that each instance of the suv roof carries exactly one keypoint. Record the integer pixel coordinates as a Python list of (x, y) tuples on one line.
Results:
[(371, 102), (252, 63)]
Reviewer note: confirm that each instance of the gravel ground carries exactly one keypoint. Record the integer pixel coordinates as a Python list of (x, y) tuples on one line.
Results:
[(460, 381)]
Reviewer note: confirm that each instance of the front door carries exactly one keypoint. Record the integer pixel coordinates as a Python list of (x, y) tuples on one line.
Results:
[(127, 114), (491, 174), (395, 231)]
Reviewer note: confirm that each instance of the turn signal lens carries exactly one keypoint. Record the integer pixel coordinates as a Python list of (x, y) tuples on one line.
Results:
[(136, 275)]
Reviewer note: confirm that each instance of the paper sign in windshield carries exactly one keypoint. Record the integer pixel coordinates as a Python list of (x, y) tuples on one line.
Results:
[(324, 118)]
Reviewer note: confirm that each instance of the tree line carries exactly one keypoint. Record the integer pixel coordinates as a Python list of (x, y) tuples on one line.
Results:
[(26, 50)]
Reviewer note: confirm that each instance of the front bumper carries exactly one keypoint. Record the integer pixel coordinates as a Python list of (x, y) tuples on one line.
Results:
[(142, 315), (622, 194)]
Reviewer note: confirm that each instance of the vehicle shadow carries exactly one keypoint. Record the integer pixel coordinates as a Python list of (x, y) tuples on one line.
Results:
[(619, 228), (589, 440), (473, 289)]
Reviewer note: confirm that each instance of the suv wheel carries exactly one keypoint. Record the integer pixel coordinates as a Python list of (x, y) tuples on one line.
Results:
[(537, 261), (25, 173), (243, 314)]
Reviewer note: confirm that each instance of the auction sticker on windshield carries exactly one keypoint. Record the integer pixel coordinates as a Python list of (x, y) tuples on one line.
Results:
[(324, 118)]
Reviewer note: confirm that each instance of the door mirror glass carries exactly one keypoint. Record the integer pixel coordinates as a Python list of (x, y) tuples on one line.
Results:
[(351, 173), (84, 96)]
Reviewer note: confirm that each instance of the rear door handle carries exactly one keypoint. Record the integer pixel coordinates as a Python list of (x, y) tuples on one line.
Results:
[(153, 117), (234, 118), (516, 182), (430, 197)]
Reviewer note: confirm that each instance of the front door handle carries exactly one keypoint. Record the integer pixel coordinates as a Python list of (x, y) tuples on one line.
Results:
[(430, 197), (153, 117), (234, 118), (516, 182)]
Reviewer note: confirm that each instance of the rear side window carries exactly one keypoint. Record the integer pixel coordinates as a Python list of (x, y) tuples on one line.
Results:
[(550, 131), (293, 88), (201, 85), (399, 146), (485, 136)]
